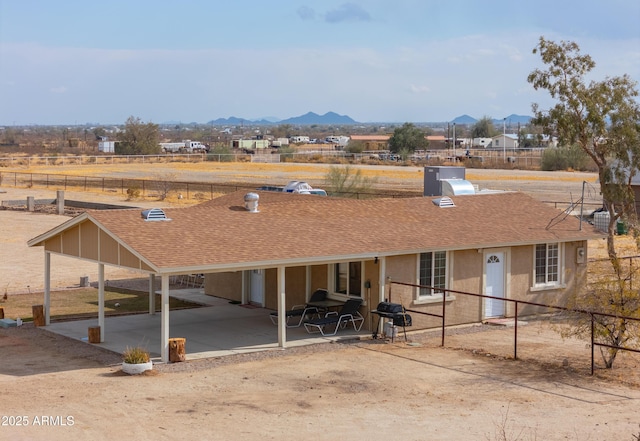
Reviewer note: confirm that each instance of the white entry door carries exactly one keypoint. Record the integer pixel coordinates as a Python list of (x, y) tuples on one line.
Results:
[(257, 287), (494, 268)]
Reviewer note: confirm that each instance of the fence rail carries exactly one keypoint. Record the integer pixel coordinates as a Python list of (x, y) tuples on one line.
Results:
[(517, 306)]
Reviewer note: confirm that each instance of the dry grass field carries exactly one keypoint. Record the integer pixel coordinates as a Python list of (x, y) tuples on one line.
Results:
[(550, 186)]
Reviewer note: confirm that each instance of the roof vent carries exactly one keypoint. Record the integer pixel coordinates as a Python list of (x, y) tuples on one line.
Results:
[(251, 202), (456, 187), (444, 202), (154, 214)]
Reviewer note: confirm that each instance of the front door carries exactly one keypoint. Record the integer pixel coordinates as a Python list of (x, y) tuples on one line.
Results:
[(257, 287), (494, 268)]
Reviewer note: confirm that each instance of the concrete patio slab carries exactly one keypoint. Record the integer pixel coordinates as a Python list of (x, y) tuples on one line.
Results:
[(211, 331)]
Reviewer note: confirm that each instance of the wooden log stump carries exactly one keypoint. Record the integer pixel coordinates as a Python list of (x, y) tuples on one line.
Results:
[(177, 350), (94, 334), (38, 315), (1, 312)]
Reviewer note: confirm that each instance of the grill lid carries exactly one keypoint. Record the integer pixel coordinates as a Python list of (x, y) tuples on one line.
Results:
[(389, 308)]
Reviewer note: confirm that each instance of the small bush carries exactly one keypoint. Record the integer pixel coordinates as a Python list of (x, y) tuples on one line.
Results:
[(286, 153), (220, 153), (565, 158), (135, 355), (133, 193)]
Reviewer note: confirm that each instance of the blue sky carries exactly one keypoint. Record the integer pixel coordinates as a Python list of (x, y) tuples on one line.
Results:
[(75, 62)]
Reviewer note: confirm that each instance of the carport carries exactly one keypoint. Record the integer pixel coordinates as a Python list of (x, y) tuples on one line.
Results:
[(174, 242), (218, 329)]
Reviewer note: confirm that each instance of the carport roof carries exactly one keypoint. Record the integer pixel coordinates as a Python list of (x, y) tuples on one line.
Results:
[(292, 229)]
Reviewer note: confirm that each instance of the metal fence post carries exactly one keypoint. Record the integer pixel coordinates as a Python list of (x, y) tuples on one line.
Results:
[(592, 342), (444, 303), (515, 333)]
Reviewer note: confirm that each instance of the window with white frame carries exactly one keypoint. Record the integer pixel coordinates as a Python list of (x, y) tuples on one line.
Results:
[(348, 278), (432, 273), (547, 264)]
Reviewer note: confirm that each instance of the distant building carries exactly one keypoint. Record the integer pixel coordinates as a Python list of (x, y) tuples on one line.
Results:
[(509, 141), (482, 142), (372, 142), (250, 144), (280, 142), (107, 146), (437, 142)]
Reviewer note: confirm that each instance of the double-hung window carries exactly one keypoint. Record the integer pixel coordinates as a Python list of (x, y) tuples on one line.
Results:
[(432, 273), (348, 278), (547, 264)]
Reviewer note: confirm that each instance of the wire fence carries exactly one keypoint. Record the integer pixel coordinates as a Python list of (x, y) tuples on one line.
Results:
[(133, 186), (509, 338), (155, 187)]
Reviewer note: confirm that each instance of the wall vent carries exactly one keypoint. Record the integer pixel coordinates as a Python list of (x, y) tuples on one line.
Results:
[(444, 202), (154, 214)]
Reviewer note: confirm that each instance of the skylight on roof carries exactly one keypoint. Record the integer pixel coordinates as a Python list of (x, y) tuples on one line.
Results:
[(444, 202)]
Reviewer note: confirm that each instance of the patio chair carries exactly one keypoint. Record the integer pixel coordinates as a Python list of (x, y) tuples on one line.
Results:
[(347, 314), (298, 313)]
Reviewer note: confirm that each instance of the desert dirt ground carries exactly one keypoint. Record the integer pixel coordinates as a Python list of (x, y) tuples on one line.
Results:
[(55, 388)]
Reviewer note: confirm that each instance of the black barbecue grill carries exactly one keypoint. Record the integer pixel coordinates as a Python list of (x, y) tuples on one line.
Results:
[(395, 312)]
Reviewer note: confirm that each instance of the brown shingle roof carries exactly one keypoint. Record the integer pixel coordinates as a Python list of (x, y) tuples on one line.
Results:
[(298, 229), (380, 138)]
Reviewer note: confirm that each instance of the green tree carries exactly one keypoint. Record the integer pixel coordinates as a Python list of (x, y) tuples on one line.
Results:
[(484, 128), (355, 147), (407, 139), (603, 119), (99, 132), (9, 136), (282, 131), (138, 138)]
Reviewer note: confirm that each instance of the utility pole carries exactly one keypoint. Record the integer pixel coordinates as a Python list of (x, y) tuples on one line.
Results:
[(504, 140), (454, 140)]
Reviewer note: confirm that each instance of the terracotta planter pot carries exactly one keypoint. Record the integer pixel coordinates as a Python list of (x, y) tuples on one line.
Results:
[(137, 368)]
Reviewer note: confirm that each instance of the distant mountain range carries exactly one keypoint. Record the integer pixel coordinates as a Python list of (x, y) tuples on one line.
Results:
[(332, 118), (310, 118), (511, 119)]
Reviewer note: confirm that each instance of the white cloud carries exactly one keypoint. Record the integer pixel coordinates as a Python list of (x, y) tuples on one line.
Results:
[(347, 12), (492, 95), (306, 13), (419, 89)]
